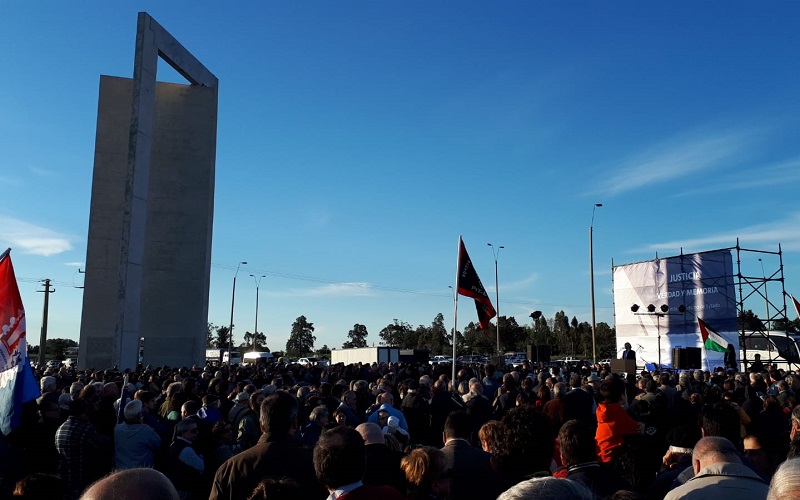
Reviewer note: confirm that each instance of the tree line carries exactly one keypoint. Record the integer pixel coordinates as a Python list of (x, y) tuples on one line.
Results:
[(562, 335)]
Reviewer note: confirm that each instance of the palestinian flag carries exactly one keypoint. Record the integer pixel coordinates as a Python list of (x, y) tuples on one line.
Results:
[(712, 340)]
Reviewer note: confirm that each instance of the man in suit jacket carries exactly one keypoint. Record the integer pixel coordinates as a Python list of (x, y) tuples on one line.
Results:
[(473, 476), (628, 353), (339, 465)]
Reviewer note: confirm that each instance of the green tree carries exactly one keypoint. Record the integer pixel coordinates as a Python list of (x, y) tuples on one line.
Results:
[(357, 336), (512, 336), (561, 332), (541, 333), (54, 348), (396, 334), (434, 338), (324, 351), (748, 320), (222, 340), (259, 339), (476, 340), (210, 340), (301, 339)]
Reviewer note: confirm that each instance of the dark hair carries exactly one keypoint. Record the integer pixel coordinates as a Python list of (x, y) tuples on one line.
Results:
[(612, 390), (526, 441), (339, 457), (721, 420), (278, 413), (458, 425), (577, 443), (78, 407)]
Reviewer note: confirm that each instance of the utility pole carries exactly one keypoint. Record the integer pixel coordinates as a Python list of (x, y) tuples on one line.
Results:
[(43, 337)]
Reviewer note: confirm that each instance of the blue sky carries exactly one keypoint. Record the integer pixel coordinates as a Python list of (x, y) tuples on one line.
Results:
[(357, 140)]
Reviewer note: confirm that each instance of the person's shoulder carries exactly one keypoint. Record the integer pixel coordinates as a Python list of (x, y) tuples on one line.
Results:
[(366, 491)]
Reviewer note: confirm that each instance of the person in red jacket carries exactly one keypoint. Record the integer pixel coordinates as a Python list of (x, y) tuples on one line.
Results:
[(613, 422)]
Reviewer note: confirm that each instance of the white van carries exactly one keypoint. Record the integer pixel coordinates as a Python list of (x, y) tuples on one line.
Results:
[(255, 357), (779, 349)]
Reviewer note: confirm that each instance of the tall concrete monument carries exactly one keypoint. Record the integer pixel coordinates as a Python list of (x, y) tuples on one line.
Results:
[(148, 258)]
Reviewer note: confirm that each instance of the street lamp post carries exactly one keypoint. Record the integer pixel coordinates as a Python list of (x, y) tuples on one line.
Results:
[(257, 279), (496, 252), (233, 300), (591, 280)]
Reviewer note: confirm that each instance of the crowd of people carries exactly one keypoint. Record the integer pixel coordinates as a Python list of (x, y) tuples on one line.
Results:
[(406, 430)]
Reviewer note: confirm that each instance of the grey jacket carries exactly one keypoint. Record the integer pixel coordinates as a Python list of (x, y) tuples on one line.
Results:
[(722, 481)]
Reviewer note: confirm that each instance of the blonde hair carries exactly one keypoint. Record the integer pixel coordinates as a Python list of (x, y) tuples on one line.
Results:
[(424, 466), (488, 434)]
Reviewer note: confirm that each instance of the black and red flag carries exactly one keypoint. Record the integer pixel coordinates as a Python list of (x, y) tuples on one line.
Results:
[(469, 285)]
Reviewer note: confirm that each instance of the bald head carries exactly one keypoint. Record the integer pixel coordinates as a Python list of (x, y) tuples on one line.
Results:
[(132, 484), (711, 450), (371, 433)]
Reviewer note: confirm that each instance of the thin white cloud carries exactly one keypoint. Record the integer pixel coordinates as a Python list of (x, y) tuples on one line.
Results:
[(768, 234), (43, 172), (75, 264), (32, 239), (673, 159), (524, 284), (333, 290), (782, 173)]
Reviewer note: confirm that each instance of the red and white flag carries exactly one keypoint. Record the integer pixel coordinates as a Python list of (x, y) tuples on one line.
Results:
[(17, 383)]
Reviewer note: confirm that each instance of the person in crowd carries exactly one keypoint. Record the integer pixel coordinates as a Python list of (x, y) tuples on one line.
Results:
[(135, 444), (277, 455), (248, 429), (488, 435), (785, 484), (184, 466), (349, 406), (222, 447), (613, 422), (385, 401), (719, 474), (427, 474), (579, 403), (546, 488), (417, 413), (317, 421), (555, 407), (339, 462), (524, 446), (81, 450), (132, 484), (579, 454), (382, 466), (473, 476)]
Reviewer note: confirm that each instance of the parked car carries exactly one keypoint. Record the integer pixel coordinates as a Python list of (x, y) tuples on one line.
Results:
[(54, 363), (307, 361), (441, 358), (472, 359), (71, 362), (571, 360)]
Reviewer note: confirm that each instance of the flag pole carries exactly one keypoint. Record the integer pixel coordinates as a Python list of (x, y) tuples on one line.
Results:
[(455, 311)]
